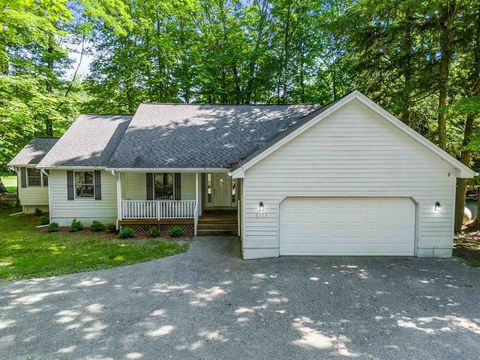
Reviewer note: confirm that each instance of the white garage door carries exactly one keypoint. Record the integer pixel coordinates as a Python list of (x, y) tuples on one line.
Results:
[(347, 226)]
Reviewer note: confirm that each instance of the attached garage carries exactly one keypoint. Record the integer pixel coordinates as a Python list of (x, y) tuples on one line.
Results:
[(348, 179), (347, 226)]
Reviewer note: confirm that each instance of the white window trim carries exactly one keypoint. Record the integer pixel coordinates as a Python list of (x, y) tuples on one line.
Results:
[(81, 198)]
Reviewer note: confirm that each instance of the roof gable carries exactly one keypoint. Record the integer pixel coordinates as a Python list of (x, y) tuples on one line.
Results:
[(314, 118), (33, 152), (89, 142)]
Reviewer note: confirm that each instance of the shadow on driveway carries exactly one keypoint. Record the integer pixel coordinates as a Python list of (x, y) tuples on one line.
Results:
[(210, 304)]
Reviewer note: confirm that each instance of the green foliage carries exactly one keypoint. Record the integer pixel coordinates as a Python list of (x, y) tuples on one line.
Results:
[(97, 226), (125, 233), (175, 231), (44, 220), (111, 228), (38, 212), (26, 252), (76, 226), (154, 232), (53, 227)]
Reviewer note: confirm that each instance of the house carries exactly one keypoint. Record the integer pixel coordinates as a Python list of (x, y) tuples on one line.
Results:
[(344, 179), (32, 185)]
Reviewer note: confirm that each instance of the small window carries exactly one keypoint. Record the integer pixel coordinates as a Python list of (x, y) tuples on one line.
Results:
[(163, 186), (234, 191), (34, 177), (84, 183), (209, 188)]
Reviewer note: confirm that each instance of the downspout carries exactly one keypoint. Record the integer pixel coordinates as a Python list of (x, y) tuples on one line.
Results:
[(49, 194)]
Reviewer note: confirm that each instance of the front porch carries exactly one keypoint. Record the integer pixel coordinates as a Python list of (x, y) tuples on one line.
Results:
[(168, 199)]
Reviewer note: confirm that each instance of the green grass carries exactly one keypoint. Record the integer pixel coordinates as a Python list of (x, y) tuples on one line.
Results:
[(10, 183), (25, 252)]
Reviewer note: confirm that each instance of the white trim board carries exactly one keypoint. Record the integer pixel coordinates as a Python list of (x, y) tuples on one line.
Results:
[(463, 171)]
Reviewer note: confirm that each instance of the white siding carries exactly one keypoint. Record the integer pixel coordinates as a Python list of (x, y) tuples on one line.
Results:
[(188, 186), (352, 152), (35, 195), (136, 186), (63, 211)]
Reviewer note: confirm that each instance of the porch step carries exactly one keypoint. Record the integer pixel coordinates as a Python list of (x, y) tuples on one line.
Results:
[(218, 223), (202, 232)]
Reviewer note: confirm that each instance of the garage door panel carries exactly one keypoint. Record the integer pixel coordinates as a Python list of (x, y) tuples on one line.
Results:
[(347, 226)]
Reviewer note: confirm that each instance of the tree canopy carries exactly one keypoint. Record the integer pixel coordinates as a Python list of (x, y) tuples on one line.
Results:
[(418, 59)]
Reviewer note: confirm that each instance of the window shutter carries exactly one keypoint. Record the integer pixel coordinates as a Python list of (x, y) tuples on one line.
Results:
[(98, 185), (178, 186), (23, 177), (149, 186), (70, 189)]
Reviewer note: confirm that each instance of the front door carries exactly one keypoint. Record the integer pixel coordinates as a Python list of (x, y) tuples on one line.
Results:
[(222, 190)]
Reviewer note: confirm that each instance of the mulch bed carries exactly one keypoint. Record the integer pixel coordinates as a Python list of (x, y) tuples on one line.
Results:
[(467, 247)]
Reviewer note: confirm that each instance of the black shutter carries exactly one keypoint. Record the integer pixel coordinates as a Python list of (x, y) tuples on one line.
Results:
[(23, 177), (149, 186), (98, 185), (178, 186), (70, 189)]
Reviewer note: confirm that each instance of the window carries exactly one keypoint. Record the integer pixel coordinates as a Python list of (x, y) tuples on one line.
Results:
[(209, 188), (234, 190), (34, 177), (163, 184), (84, 183)]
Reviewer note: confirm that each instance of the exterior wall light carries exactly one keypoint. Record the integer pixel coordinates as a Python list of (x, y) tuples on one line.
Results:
[(261, 208), (438, 207)]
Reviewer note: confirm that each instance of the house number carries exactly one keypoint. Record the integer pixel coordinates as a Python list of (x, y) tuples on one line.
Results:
[(261, 215)]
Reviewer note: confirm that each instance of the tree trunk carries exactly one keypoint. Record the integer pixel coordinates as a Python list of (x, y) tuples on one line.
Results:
[(49, 84), (406, 48), (286, 49), (465, 158), (3, 190), (474, 84), (445, 25)]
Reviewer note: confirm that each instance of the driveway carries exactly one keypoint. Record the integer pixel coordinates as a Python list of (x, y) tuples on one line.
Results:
[(209, 304)]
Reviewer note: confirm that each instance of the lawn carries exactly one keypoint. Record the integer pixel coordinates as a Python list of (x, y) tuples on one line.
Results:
[(10, 183), (26, 252)]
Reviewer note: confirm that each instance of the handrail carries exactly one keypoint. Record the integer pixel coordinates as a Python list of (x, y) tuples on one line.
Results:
[(159, 209)]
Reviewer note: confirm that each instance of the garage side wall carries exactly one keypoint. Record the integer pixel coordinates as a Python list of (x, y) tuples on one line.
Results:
[(353, 153)]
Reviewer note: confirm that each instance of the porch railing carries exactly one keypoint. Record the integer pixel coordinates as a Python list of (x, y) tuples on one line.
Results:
[(159, 209)]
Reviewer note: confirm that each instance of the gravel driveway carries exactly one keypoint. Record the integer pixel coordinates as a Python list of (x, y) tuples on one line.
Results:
[(209, 304)]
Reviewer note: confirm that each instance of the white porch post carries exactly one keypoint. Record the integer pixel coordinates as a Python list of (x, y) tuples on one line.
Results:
[(197, 201), (119, 197)]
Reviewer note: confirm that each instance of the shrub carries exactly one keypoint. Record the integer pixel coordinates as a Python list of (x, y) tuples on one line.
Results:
[(44, 220), (154, 232), (125, 233), (76, 226), (38, 212), (53, 227), (97, 226), (111, 228), (175, 231)]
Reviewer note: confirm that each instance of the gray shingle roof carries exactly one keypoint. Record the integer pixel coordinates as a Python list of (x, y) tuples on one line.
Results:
[(89, 142), (201, 136), (33, 152)]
